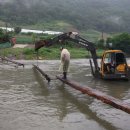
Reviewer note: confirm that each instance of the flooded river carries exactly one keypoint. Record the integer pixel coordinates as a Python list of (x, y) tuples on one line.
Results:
[(28, 102)]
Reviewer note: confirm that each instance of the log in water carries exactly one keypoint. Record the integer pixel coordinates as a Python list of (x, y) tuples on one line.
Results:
[(43, 73), (91, 92), (11, 61), (97, 94)]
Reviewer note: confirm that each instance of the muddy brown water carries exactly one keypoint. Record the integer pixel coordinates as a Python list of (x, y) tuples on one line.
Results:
[(28, 102)]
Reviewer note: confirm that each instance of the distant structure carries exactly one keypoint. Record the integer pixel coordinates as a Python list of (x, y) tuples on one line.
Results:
[(33, 31)]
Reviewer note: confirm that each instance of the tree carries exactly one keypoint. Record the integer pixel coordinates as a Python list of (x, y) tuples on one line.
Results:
[(17, 30), (100, 43), (121, 42), (4, 37)]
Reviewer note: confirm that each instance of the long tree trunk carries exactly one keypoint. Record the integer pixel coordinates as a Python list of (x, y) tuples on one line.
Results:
[(97, 94)]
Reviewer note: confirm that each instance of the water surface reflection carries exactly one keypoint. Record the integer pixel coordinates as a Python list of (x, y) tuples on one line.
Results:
[(28, 102)]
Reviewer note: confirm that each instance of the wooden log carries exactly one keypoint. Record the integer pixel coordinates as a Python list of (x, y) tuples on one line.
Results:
[(91, 92), (7, 59), (43, 73), (97, 94)]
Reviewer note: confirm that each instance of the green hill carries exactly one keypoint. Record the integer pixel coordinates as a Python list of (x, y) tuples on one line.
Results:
[(101, 15)]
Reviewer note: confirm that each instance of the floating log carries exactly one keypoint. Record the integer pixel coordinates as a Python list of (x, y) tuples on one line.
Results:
[(91, 92), (97, 94), (7, 59), (43, 73)]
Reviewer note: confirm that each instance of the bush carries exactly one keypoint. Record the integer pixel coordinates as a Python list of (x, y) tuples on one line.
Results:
[(28, 51), (121, 42), (100, 44)]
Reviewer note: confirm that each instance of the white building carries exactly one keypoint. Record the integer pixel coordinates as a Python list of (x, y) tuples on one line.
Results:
[(33, 31)]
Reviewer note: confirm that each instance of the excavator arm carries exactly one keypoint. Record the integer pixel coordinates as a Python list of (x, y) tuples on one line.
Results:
[(74, 37)]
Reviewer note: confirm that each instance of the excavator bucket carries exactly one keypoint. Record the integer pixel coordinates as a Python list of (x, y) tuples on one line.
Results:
[(40, 44)]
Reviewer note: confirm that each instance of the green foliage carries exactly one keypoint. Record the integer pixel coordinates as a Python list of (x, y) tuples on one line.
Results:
[(44, 53), (24, 39), (100, 44), (46, 36), (4, 36), (5, 45), (1, 32), (17, 30), (28, 51), (11, 51), (121, 41)]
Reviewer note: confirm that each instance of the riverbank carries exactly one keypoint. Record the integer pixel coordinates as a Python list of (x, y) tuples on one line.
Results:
[(27, 52)]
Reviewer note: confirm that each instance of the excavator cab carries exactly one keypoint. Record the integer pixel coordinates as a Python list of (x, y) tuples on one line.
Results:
[(114, 65)]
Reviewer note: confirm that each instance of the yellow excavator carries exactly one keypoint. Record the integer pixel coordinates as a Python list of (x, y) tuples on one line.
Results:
[(113, 64)]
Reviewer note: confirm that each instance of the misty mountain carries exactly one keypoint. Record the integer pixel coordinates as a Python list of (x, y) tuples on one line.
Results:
[(102, 15)]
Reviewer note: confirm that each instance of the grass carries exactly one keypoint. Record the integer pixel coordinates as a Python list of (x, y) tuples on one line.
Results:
[(5, 45), (44, 53), (9, 52), (53, 51), (24, 39)]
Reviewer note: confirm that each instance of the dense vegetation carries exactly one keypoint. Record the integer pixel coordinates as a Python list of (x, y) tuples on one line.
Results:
[(44, 53), (120, 41), (4, 37), (101, 15)]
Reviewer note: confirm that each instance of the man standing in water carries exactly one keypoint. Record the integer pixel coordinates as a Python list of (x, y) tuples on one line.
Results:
[(65, 60)]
